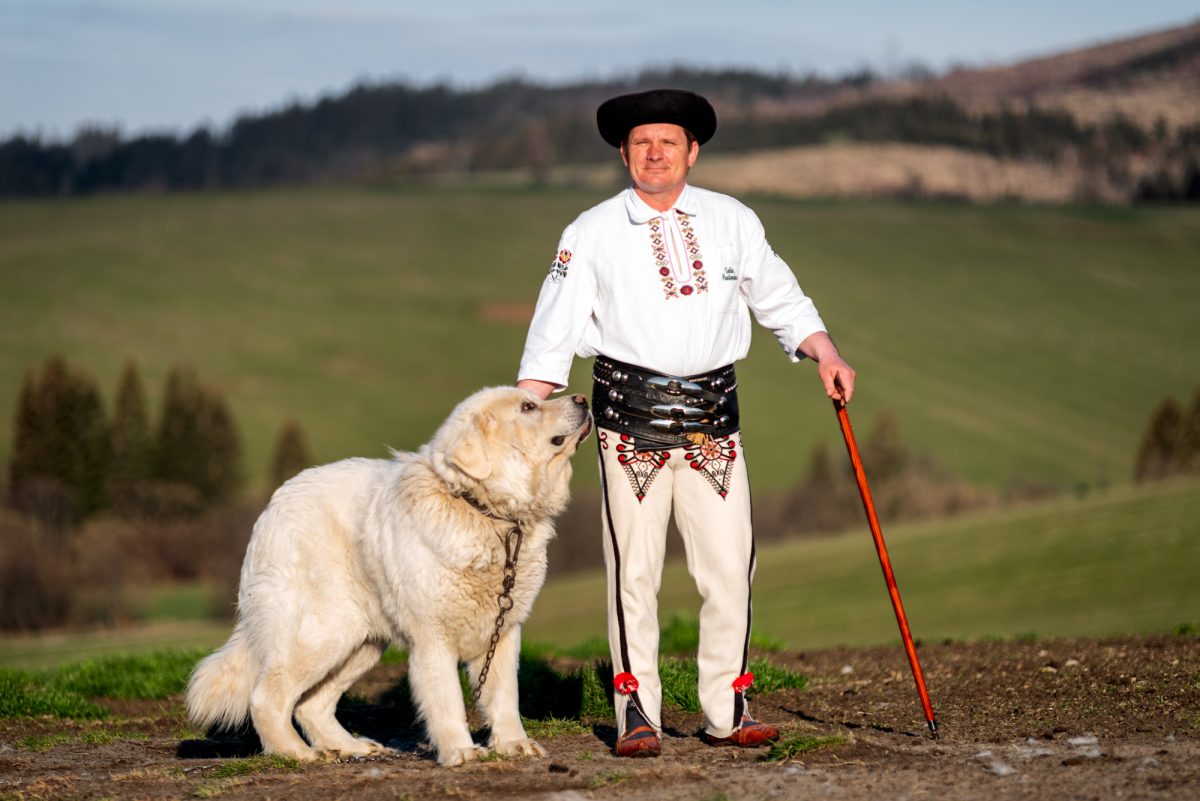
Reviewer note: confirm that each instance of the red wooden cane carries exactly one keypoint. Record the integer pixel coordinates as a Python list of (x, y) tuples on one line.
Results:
[(860, 476)]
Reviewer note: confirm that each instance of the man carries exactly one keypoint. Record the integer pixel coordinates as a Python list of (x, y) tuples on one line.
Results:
[(658, 284)]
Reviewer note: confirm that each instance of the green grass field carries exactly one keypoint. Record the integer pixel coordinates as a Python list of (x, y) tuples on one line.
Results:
[(1013, 343), (1117, 562), (1124, 561)]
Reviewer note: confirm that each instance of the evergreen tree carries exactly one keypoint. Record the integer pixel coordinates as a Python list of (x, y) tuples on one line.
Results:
[(884, 457), (1158, 455), (62, 438), (820, 468), (291, 453), (1189, 439), (29, 457), (131, 447), (197, 444)]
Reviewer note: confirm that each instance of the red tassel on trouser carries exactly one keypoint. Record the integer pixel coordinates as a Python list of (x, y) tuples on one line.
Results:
[(625, 683)]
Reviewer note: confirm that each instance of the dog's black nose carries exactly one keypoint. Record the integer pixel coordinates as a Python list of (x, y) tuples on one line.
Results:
[(580, 400)]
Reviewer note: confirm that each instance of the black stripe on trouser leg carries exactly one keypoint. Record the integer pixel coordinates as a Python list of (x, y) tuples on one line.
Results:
[(616, 551), (739, 699)]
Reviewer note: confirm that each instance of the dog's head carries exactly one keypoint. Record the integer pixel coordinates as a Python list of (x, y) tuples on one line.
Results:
[(511, 450)]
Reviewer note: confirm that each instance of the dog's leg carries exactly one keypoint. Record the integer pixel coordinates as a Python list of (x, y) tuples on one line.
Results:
[(271, 704), (499, 698), (433, 676), (315, 713)]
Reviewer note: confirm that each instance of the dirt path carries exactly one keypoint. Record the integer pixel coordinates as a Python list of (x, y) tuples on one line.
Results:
[(1019, 720)]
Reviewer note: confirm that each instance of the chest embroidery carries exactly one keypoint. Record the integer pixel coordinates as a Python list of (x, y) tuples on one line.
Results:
[(685, 269)]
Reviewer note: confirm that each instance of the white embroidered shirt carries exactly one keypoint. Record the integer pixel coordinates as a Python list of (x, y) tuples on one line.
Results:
[(669, 291)]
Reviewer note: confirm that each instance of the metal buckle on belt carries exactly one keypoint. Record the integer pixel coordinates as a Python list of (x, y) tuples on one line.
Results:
[(678, 426), (674, 386), (677, 411)]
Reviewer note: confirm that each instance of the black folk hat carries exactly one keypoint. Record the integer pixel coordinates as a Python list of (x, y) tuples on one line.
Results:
[(618, 116)]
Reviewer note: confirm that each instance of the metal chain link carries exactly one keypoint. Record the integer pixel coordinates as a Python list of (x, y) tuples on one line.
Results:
[(511, 552)]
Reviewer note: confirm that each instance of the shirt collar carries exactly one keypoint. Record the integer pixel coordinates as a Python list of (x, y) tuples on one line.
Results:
[(640, 211)]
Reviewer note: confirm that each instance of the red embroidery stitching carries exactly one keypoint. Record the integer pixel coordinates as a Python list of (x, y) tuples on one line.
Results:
[(641, 467), (714, 458), (659, 246), (693, 250)]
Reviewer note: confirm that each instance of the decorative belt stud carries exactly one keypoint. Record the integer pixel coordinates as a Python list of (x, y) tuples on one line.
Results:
[(677, 411), (674, 386), (676, 426)]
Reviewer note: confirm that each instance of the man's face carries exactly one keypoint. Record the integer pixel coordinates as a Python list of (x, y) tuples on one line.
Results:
[(658, 157)]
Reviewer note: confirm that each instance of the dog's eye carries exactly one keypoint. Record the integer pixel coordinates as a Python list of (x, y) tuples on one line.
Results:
[(529, 406), (559, 440)]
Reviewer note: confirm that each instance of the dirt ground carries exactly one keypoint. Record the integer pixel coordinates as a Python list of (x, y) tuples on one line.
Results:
[(1072, 719)]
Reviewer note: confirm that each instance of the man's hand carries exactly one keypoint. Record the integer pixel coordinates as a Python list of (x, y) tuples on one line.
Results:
[(540, 388), (835, 374)]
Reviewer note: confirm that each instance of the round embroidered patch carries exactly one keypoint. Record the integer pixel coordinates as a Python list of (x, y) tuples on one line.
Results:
[(564, 256), (685, 290)]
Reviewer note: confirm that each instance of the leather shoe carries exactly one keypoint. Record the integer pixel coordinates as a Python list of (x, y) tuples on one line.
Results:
[(750, 734), (640, 739)]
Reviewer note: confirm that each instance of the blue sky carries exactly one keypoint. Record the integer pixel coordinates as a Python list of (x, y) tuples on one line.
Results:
[(175, 64)]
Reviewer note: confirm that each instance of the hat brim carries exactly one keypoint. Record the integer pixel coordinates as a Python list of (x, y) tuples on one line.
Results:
[(617, 117)]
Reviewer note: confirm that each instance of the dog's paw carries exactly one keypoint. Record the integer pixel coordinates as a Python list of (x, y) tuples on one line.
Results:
[(361, 747), (453, 757), (303, 754), (521, 747)]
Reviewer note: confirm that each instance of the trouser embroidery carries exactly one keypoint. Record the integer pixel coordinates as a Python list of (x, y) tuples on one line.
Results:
[(714, 457), (718, 540), (641, 467)]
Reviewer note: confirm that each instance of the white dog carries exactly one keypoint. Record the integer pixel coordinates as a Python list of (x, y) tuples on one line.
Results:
[(353, 555)]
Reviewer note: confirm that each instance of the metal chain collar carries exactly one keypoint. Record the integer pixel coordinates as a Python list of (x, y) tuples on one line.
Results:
[(512, 550)]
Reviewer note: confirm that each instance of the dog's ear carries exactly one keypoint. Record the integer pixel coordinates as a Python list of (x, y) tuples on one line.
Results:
[(470, 453)]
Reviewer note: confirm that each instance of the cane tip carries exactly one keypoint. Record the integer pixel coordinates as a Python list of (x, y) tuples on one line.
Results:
[(933, 730)]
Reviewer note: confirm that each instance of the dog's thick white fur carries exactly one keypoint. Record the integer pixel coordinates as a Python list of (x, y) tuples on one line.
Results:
[(353, 555)]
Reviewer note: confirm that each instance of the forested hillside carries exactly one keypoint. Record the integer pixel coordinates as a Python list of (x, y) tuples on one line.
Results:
[(1122, 122)]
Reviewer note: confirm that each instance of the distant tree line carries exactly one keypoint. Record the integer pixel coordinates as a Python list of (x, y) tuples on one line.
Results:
[(99, 503), (70, 460), (395, 131)]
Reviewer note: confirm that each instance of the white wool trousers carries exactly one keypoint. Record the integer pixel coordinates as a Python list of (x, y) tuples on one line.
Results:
[(707, 487)]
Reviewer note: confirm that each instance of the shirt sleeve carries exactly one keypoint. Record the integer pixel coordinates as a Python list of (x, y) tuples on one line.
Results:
[(772, 292), (562, 312)]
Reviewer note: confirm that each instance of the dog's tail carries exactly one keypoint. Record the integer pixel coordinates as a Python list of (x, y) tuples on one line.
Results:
[(218, 692)]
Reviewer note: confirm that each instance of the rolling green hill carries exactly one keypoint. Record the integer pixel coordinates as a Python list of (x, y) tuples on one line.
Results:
[(1012, 343), (1118, 562), (1122, 562)]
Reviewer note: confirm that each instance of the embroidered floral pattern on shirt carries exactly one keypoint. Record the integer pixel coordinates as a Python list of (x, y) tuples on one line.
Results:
[(714, 457), (641, 467), (558, 270), (658, 244), (693, 269), (693, 252)]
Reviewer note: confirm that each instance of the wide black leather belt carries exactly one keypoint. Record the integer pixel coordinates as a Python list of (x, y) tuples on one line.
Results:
[(661, 411)]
